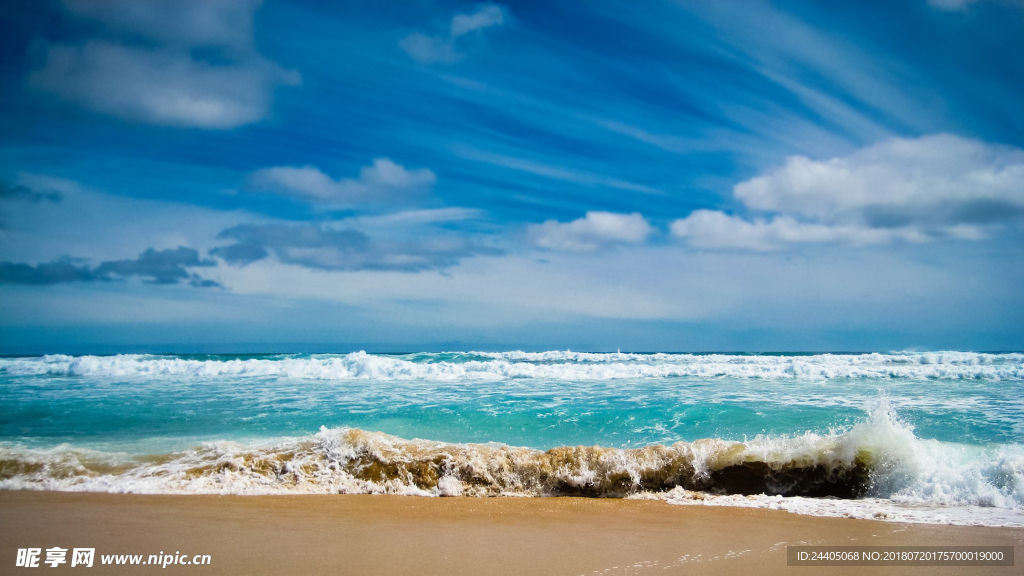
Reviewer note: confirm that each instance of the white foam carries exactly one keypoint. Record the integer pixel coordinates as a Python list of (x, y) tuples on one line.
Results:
[(564, 366), (911, 480), (864, 509)]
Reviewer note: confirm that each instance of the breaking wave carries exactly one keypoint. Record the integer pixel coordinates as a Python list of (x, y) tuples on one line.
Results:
[(866, 470), (482, 366)]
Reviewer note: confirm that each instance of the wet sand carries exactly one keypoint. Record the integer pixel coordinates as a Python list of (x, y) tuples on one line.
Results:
[(348, 534)]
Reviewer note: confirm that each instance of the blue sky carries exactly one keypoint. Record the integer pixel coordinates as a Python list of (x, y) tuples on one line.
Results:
[(246, 176)]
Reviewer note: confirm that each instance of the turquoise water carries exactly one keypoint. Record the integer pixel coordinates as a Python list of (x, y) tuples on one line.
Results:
[(124, 407), (176, 400)]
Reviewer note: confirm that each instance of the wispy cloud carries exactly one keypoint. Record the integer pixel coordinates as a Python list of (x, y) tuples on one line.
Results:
[(847, 86), (445, 47), (420, 217), (564, 174)]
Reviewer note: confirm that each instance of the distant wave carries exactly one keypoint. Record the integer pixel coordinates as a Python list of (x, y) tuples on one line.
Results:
[(482, 366), (874, 467)]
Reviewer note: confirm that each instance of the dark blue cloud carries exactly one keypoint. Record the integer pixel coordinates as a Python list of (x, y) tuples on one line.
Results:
[(321, 247), (56, 272), (169, 266), (157, 266), (241, 254)]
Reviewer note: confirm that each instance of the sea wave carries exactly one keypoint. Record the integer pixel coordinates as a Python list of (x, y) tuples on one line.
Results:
[(874, 462), (568, 366)]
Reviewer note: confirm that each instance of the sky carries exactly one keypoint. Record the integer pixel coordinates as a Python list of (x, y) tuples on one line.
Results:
[(245, 176)]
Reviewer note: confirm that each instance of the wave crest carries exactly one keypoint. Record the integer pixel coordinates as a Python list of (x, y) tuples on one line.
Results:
[(877, 458), (480, 366)]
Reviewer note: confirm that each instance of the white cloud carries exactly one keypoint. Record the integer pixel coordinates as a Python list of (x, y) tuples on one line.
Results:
[(713, 229), (160, 87), (596, 230), (420, 217), (442, 48), (142, 67), (939, 186), (384, 180), (907, 176), (185, 23), (487, 16)]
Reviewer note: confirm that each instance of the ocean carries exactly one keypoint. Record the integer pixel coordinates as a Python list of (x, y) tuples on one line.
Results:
[(932, 437)]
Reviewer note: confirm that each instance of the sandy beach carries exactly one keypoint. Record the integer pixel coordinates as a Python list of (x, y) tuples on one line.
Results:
[(365, 534)]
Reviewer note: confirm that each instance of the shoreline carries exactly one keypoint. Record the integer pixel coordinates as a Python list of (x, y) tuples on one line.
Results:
[(386, 534)]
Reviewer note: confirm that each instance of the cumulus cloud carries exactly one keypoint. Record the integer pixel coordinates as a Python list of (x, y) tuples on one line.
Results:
[(169, 266), (595, 231), (329, 248), (145, 65), (934, 179), (939, 186), (713, 229), (442, 48), (382, 181)]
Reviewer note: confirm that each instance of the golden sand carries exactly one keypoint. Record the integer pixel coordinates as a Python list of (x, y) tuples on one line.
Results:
[(364, 534)]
